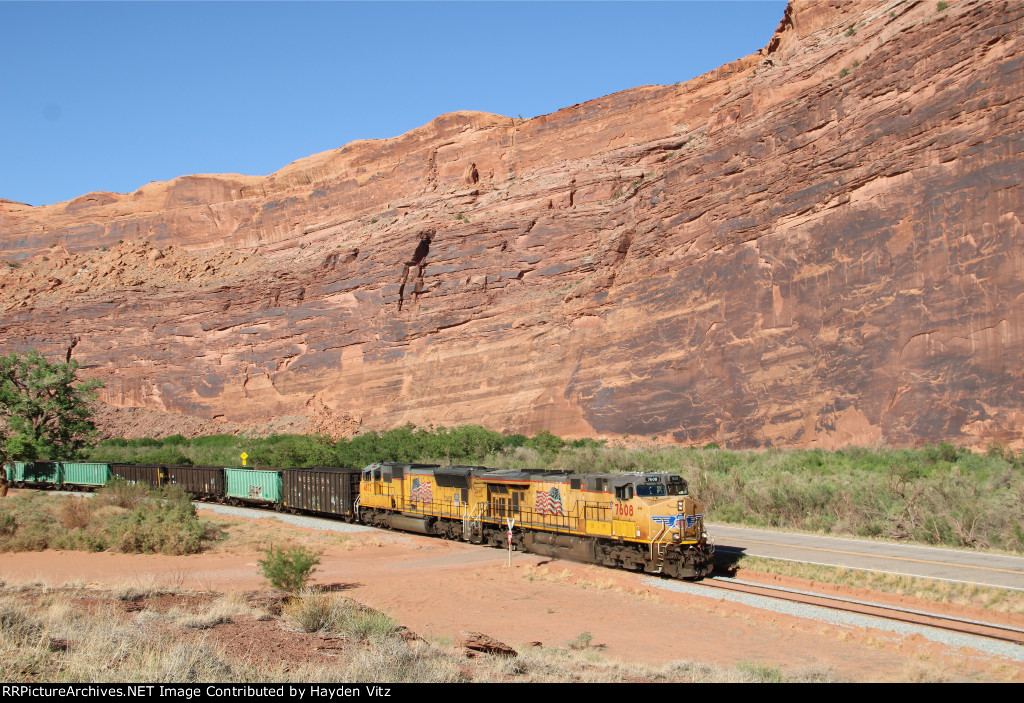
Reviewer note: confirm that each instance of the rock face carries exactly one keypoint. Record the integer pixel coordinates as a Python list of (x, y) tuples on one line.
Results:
[(816, 245)]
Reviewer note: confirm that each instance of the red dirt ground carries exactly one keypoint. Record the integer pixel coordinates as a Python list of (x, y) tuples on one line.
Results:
[(438, 589)]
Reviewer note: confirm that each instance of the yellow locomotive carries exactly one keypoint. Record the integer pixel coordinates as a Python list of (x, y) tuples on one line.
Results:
[(639, 521)]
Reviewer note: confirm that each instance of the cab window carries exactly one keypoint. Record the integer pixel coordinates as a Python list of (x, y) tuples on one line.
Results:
[(677, 486), (650, 491)]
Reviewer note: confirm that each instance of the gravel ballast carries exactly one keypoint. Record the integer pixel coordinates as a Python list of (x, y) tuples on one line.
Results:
[(835, 617)]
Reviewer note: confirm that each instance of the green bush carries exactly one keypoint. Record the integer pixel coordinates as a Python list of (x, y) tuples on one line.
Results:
[(165, 522), (121, 517), (289, 569), (121, 493), (581, 641)]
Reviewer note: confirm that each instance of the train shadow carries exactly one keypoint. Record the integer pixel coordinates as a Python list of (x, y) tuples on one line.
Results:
[(727, 560)]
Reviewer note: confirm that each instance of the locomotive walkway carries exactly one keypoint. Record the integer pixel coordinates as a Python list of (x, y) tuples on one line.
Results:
[(963, 566)]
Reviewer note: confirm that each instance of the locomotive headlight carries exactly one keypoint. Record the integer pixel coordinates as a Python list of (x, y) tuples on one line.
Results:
[(679, 506)]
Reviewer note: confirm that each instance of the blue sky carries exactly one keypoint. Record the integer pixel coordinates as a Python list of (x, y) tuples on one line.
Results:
[(110, 96)]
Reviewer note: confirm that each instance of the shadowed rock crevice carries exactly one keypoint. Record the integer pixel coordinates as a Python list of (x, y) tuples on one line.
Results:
[(415, 266)]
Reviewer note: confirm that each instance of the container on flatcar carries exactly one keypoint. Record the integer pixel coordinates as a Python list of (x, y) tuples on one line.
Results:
[(200, 481), (253, 485), (321, 489), (84, 473), (153, 475)]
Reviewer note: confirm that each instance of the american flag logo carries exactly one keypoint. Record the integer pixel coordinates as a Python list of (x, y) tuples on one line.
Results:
[(549, 502), (421, 491)]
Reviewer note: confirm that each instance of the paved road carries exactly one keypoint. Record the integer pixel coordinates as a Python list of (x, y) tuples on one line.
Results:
[(932, 562)]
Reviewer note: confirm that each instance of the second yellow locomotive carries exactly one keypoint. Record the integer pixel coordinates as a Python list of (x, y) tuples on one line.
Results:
[(639, 521)]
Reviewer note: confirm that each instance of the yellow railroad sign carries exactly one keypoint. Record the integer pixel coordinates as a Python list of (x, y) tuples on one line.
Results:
[(244, 457)]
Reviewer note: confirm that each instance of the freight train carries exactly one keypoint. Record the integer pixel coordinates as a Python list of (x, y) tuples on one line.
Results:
[(638, 521)]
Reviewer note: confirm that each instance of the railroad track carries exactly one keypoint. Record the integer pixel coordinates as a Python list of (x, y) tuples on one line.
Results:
[(914, 617)]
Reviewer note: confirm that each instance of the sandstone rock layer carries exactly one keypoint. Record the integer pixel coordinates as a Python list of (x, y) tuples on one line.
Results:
[(816, 245)]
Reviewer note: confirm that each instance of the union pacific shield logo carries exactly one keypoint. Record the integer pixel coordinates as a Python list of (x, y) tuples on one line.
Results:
[(666, 520)]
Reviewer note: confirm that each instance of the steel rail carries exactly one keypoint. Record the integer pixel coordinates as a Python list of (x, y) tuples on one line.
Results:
[(887, 612)]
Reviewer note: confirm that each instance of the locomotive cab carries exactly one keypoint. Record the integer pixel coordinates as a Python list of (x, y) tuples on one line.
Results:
[(661, 505)]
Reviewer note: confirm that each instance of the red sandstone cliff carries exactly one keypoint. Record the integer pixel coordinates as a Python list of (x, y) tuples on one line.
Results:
[(816, 245)]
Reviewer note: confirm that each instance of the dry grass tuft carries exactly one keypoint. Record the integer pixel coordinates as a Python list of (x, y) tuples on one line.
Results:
[(315, 611)]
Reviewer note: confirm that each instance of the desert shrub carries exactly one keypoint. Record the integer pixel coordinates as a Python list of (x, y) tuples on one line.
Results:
[(312, 611), (8, 525), (289, 569), (75, 513), (31, 523), (165, 522), (581, 641), (121, 493)]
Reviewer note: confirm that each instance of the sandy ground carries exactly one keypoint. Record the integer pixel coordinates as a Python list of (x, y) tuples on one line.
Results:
[(438, 589)]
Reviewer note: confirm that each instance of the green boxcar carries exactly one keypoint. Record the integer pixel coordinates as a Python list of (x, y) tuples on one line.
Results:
[(81, 473), (43, 472), (254, 485), (16, 470)]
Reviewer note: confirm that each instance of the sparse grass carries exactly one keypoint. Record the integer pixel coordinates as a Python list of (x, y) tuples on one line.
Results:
[(58, 643), (996, 599), (760, 672), (394, 660), (223, 610), (316, 611)]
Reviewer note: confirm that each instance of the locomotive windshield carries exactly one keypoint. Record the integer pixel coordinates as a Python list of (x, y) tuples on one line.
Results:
[(652, 487)]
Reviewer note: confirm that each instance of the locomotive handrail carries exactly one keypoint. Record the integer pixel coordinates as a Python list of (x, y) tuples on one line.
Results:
[(471, 516), (657, 539)]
